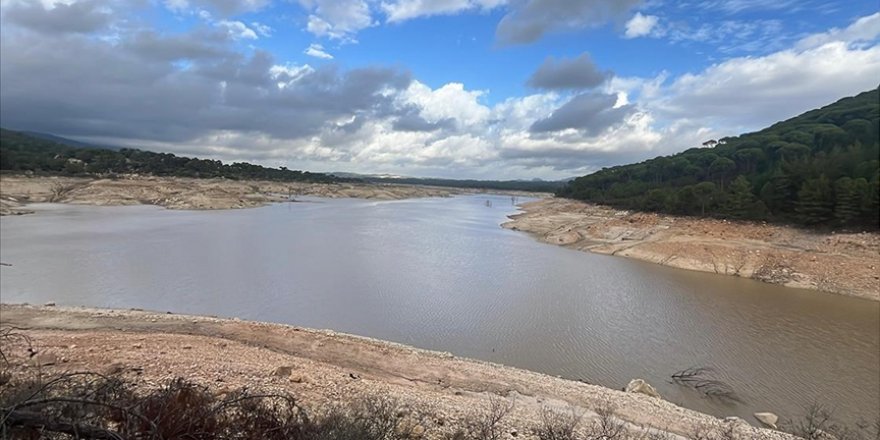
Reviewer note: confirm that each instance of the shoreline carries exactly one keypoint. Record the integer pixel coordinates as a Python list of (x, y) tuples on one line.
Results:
[(840, 263), (328, 366), (17, 191)]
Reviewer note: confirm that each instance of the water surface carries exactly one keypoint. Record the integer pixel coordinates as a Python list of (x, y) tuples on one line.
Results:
[(441, 274)]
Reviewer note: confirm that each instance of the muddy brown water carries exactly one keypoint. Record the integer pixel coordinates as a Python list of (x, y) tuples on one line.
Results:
[(441, 274)]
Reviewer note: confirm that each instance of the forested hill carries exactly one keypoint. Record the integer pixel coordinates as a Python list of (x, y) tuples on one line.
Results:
[(26, 153), (818, 169)]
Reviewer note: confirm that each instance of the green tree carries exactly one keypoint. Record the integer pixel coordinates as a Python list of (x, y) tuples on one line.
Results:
[(742, 203), (721, 169), (847, 205), (704, 193), (815, 202)]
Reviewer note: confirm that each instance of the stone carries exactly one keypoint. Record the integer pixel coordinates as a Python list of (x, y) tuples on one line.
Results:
[(283, 371), (641, 387), (417, 431), (44, 360), (114, 368), (50, 304), (767, 418), (297, 378)]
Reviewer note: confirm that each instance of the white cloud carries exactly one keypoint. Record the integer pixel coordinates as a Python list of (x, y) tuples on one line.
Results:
[(752, 92), (449, 101), (862, 30), (640, 25), (262, 29), (337, 19), (402, 10), (237, 30), (317, 51)]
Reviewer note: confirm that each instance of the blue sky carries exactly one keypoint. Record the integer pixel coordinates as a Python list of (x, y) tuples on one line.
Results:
[(448, 88)]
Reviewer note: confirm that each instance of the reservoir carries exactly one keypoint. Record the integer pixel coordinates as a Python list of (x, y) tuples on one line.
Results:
[(441, 274)]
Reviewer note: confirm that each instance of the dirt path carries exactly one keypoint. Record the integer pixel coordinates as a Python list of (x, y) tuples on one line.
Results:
[(325, 367), (845, 263)]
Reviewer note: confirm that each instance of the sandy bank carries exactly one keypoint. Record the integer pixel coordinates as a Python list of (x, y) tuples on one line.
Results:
[(184, 193), (840, 263), (327, 366)]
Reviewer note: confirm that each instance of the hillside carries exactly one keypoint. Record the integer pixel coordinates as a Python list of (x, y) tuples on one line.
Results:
[(819, 169), (27, 153)]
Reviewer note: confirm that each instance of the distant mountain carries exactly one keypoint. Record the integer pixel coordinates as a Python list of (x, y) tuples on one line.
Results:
[(821, 168), (24, 152), (366, 176), (66, 141)]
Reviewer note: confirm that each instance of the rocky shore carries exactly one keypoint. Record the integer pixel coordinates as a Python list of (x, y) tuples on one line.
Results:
[(320, 367), (843, 263), (186, 193)]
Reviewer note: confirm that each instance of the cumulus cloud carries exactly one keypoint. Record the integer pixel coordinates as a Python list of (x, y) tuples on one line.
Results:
[(529, 20), (576, 73), (640, 25), (317, 51), (146, 95), (588, 112), (337, 19), (411, 120), (58, 18), (237, 30), (754, 91), (221, 7), (864, 29), (402, 10), (262, 29), (201, 92)]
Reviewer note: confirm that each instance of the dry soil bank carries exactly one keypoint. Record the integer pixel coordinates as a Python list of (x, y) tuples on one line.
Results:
[(844, 263), (187, 193), (324, 367)]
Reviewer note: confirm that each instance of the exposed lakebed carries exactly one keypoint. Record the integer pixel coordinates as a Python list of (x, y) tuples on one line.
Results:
[(441, 274)]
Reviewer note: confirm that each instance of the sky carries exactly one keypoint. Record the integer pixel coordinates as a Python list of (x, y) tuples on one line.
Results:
[(484, 89)]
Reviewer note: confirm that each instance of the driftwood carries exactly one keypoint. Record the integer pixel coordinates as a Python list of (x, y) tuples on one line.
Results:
[(700, 379)]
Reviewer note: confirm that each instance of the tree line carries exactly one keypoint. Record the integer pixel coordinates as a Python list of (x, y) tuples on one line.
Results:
[(25, 153), (819, 169)]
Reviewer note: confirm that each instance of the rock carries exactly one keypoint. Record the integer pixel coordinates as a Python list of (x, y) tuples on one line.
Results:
[(50, 304), (767, 418), (417, 431), (283, 371), (114, 368), (642, 387), (44, 360), (297, 378)]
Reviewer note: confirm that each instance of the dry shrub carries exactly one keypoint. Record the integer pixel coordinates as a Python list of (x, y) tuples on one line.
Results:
[(88, 405), (819, 423), (557, 425), (485, 424)]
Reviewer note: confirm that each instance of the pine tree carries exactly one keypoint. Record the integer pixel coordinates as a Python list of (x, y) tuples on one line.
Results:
[(815, 202), (777, 194), (847, 201), (741, 202)]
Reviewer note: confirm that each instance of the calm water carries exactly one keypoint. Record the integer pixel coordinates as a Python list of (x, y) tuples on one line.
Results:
[(441, 274)]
